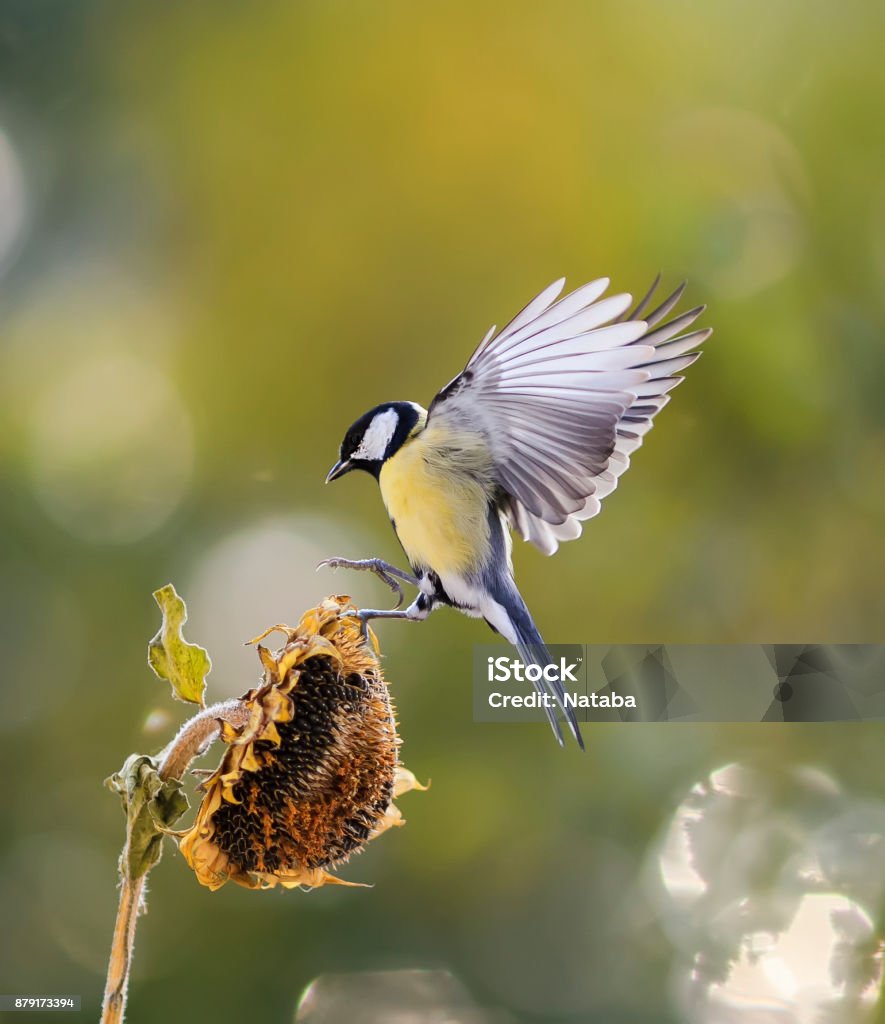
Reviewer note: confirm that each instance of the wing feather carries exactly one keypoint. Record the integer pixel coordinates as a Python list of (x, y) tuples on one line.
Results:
[(564, 394), (530, 339)]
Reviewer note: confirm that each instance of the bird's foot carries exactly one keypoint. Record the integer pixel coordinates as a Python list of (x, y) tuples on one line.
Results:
[(365, 615), (386, 572)]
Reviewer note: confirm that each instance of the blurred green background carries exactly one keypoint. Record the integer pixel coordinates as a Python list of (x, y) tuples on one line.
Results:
[(225, 231)]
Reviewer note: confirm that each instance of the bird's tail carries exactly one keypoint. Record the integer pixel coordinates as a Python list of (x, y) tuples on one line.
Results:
[(533, 651)]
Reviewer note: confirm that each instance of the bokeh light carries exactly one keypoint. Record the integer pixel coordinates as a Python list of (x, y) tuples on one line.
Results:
[(13, 201), (750, 192), (823, 965), (392, 997), (111, 450), (260, 575), (758, 880)]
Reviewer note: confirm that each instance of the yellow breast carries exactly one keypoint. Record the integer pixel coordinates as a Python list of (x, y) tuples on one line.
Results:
[(435, 492)]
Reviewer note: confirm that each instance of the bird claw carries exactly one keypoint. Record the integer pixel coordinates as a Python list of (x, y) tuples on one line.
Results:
[(381, 569), (364, 625)]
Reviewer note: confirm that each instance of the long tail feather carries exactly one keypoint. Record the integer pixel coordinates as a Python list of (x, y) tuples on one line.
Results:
[(533, 651)]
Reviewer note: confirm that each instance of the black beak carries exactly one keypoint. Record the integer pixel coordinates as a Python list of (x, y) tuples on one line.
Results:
[(341, 467)]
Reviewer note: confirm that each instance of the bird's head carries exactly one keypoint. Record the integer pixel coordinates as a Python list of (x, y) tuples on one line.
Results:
[(377, 435)]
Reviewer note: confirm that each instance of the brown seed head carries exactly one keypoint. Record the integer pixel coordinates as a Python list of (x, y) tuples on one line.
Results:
[(311, 777)]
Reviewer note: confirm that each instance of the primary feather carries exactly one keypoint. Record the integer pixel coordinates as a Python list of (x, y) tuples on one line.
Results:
[(563, 395)]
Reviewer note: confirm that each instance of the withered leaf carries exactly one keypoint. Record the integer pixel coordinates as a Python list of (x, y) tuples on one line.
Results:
[(152, 806), (171, 657)]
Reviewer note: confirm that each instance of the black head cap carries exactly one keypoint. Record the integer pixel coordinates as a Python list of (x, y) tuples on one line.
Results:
[(375, 436)]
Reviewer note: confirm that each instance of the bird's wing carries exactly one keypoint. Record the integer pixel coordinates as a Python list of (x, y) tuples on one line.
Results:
[(564, 394)]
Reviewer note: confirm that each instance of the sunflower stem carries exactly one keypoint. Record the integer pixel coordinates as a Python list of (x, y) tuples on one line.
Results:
[(131, 895), (197, 735), (193, 739)]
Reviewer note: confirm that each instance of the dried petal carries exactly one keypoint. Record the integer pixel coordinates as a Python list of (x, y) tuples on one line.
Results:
[(311, 777)]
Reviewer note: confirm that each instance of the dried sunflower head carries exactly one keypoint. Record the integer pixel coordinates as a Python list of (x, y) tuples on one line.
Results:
[(311, 777)]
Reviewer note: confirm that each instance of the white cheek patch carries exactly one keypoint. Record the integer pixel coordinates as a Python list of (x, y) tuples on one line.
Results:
[(378, 436)]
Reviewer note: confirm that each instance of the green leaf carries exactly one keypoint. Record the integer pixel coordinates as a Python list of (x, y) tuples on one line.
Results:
[(152, 806), (182, 664)]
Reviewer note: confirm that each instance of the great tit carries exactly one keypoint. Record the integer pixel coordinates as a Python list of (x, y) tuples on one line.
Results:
[(530, 436)]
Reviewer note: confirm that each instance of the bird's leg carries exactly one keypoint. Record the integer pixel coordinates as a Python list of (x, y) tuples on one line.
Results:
[(417, 611), (383, 570)]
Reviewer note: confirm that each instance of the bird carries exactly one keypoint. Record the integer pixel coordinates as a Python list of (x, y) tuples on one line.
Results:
[(528, 438)]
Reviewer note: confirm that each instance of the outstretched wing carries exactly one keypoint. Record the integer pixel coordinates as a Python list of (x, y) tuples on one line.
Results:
[(564, 394)]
